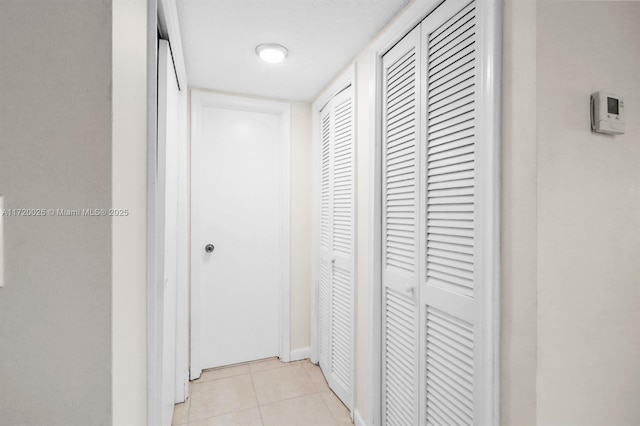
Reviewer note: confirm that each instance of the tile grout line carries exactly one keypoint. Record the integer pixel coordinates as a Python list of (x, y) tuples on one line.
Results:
[(315, 392), (330, 411), (255, 395), (248, 364), (189, 407), (334, 394), (251, 373), (293, 397), (230, 412), (322, 397)]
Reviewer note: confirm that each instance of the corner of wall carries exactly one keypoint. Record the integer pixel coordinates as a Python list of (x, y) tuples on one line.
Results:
[(300, 228), (519, 216), (129, 191)]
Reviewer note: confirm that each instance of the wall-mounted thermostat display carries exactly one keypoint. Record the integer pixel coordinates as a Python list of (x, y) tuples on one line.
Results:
[(607, 113)]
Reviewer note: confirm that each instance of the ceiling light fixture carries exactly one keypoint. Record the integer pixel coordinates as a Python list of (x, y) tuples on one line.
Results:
[(272, 52)]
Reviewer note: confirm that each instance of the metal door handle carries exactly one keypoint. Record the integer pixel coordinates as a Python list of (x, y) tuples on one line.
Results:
[(209, 248)]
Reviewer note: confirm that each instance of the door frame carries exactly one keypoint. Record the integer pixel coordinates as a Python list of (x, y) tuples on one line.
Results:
[(201, 99), (162, 22), (155, 301), (168, 29), (164, 56), (345, 81), (489, 15)]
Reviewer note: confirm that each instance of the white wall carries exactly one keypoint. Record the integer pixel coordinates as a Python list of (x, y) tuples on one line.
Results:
[(300, 226), (364, 226), (588, 217), (518, 215), (56, 152), (129, 174)]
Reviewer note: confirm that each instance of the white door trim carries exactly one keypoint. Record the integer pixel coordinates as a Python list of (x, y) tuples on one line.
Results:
[(169, 29), (154, 297), (490, 96), (199, 100), (169, 26)]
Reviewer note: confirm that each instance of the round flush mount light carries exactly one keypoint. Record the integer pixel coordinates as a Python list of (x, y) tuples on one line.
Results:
[(272, 52)]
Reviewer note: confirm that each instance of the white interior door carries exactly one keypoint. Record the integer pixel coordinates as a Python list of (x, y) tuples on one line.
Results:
[(237, 176), (337, 236)]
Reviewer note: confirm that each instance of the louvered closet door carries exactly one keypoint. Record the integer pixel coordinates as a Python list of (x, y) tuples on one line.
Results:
[(400, 232), (337, 234), (449, 328), (326, 222)]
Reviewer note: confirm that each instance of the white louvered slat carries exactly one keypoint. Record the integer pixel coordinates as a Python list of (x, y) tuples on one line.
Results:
[(440, 34), (399, 360), (400, 155), (342, 192), (451, 151), (455, 34), (400, 151), (343, 178), (323, 307), (325, 181), (449, 369), (341, 305), (449, 109), (450, 215)]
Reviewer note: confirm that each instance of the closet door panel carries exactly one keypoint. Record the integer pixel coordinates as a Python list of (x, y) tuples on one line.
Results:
[(325, 264), (337, 235), (447, 304), (343, 225), (400, 231)]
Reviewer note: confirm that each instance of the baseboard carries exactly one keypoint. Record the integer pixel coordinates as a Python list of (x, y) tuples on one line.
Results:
[(357, 418), (301, 353)]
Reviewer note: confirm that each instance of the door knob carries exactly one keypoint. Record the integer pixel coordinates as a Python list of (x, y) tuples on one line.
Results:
[(209, 248), (409, 289)]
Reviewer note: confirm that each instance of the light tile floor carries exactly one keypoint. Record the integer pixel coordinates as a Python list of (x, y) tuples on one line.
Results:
[(262, 393)]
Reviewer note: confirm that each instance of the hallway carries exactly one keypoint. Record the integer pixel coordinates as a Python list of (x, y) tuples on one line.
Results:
[(262, 393)]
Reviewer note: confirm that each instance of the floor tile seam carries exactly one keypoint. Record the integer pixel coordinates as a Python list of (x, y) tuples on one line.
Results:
[(311, 378), (221, 378), (315, 392), (335, 419), (271, 369), (255, 395), (293, 397), (251, 373), (221, 414), (225, 414), (229, 412)]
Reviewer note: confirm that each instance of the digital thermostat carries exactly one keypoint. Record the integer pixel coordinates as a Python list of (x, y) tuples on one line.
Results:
[(607, 113)]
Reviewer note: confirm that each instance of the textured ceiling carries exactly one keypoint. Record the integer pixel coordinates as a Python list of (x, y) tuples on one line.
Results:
[(323, 36)]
